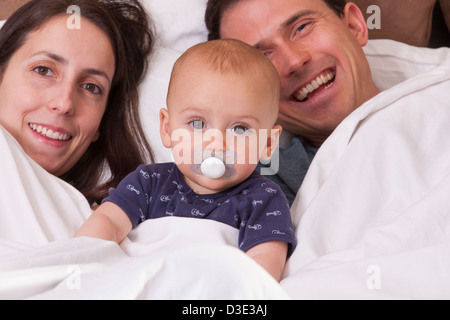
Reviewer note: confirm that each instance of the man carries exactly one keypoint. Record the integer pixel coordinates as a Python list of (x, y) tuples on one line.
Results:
[(316, 47), (373, 215)]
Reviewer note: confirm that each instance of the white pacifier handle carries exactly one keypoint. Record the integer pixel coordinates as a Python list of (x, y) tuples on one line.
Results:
[(213, 168)]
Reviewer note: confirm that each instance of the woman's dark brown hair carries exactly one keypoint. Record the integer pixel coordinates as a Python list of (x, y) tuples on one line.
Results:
[(216, 8), (122, 144)]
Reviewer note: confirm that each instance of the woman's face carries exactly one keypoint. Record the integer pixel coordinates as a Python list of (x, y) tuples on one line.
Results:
[(54, 92)]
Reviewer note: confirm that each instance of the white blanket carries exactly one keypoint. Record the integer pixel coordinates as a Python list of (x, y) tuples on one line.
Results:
[(35, 207), (170, 258), (374, 210)]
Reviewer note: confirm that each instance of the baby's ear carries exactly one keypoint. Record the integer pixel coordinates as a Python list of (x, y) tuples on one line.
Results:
[(272, 143), (164, 128)]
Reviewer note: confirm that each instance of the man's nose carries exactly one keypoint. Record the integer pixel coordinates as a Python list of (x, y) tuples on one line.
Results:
[(292, 58)]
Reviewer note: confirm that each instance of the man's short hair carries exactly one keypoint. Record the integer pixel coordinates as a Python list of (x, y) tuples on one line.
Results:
[(216, 8)]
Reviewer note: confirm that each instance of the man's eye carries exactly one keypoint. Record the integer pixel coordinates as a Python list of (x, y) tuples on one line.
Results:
[(303, 26), (197, 124), (268, 55)]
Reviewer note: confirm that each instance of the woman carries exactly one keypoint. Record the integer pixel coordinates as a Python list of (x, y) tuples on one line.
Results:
[(69, 94)]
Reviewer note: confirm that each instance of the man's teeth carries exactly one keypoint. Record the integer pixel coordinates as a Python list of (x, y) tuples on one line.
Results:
[(49, 133), (315, 84)]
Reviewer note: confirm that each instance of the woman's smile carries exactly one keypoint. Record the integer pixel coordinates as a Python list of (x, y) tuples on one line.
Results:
[(50, 133)]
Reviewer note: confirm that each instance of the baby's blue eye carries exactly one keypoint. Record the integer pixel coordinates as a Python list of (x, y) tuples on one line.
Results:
[(240, 130), (197, 124)]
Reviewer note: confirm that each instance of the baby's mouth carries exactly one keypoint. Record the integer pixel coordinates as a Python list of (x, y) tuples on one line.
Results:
[(49, 133), (206, 163), (321, 83)]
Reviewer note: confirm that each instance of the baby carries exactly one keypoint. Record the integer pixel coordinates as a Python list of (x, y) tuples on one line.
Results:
[(222, 106)]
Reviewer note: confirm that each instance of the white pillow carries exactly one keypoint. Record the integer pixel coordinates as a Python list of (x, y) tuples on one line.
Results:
[(1, 23), (179, 24), (393, 62), (153, 94)]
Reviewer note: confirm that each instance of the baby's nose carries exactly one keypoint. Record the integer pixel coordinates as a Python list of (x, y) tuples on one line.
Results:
[(215, 142)]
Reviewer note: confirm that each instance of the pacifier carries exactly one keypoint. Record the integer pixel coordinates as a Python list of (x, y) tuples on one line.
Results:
[(214, 166)]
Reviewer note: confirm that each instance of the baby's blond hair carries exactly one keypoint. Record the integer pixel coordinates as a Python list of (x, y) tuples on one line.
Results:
[(230, 56)]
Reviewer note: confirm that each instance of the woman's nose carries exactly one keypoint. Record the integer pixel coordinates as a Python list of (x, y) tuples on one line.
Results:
[(62, 100)]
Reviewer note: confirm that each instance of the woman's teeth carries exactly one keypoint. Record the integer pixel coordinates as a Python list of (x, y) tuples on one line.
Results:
[(49, 133), (316, 84)]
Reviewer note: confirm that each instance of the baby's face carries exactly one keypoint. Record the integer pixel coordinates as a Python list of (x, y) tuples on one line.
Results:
[(229, 116)]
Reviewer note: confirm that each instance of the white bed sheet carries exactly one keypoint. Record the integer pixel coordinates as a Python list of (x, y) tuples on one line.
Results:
[(35, 207), (170, 258), (373, 213)]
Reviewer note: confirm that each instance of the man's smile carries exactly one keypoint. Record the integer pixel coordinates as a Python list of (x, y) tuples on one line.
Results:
[(322, 82)]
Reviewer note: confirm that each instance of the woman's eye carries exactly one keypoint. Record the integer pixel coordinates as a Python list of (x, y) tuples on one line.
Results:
[(197, 124), (43, 71), (92, 88), (240, 130)]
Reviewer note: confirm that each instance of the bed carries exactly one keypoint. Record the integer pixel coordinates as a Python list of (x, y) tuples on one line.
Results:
[(361, 235)]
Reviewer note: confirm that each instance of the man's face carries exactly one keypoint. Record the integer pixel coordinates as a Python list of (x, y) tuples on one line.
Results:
[(324, 73)]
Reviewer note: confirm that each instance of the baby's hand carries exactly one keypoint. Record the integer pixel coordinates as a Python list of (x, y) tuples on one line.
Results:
[(109, 222), (271, 256)]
